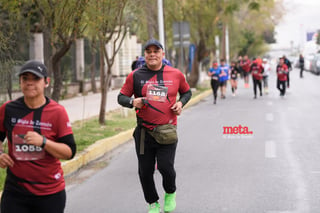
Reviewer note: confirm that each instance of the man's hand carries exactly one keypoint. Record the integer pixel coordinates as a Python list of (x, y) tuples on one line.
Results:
[(138, 103), (177, 108)]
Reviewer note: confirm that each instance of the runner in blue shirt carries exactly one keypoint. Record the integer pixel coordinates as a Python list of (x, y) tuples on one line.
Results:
[(214, 73), (225, 69)]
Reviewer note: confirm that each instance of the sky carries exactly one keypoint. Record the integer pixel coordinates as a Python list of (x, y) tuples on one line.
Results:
[(301, 16)]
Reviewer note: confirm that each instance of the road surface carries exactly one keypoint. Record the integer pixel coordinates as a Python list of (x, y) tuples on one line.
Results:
[(273, 170)]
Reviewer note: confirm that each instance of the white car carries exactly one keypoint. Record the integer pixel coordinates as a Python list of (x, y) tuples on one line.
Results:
[(307, 61)]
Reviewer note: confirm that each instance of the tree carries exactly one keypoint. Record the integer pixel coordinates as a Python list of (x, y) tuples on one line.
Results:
[(108, 21), (61, 23), (210, 20), (12, 43)]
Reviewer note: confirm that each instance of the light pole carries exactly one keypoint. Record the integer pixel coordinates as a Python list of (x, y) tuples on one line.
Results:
[(160, 23)]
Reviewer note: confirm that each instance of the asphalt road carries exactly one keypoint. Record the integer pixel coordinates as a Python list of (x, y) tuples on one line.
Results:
[(273, 170)]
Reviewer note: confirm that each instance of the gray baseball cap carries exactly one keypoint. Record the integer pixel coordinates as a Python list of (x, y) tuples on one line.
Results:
[(154, 43), (34, 67)]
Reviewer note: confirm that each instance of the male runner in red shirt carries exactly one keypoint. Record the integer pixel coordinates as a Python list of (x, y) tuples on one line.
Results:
[(282, 70), (155, 87)]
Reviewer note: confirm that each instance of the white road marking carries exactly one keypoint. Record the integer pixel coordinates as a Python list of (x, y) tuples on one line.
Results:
[(302, 204), (269, 117), (270, 149)]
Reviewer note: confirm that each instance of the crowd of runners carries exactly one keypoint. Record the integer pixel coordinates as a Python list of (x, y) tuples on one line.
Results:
[(259, 69)]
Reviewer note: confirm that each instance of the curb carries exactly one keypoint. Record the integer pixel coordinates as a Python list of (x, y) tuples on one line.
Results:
[(101, 147)]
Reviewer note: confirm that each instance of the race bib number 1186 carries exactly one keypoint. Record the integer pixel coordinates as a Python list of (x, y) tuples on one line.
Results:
[(157, 93)]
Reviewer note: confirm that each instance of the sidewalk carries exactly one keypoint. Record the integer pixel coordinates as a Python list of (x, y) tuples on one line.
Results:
[(84, 107)]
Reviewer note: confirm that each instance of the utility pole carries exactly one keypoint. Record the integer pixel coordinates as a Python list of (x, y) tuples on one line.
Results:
[(160, 23), (227, 46)]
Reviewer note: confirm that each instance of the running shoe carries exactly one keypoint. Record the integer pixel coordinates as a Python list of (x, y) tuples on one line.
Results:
[(154, 208), (170, 202)]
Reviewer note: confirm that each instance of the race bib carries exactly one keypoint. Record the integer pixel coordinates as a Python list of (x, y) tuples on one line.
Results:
[(214, 77), (255, 72), (24, 151), (157, 93)]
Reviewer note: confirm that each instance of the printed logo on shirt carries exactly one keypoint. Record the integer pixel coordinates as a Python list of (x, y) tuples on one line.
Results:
[(31, 123)]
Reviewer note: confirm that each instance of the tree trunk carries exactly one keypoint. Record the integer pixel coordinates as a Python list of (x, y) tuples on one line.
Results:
[(194, 75), (93, 67), (57, 84), (79, 46), (198, 56), (103, 86), (56, 59), (47, 58), (9, 86)]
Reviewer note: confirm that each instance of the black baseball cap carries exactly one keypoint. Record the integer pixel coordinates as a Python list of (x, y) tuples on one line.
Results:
[(34, 67), (154, 43)]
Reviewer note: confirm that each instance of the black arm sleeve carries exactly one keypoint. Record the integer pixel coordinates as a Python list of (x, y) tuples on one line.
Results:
[(185, 97), (2, 136), (124, 100), (69, 140)]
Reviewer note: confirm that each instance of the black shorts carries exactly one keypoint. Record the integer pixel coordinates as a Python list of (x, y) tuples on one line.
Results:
[(16, 202), (245, 74), (222, 83)]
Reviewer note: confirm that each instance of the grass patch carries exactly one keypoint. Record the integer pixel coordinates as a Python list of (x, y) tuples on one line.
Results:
[(89, 131)]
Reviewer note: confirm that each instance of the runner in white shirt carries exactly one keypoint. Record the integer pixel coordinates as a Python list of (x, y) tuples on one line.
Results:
[(266, 74)]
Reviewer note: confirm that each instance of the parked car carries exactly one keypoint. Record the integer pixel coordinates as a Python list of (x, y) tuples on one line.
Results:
[(307, 61), (315, 64)]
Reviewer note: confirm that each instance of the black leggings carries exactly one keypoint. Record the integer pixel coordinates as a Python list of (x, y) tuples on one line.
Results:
[(12, 202), (255, 84), (281, 85), (215, 87), (164, 155), (301, 70)]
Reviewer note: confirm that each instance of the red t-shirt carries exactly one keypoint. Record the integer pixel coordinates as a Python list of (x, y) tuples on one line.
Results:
[(257, 70), (164, 85), (282, 71), (245, 65), (42, 173)]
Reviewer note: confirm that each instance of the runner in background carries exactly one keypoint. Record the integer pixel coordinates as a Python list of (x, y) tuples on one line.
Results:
[(214, 73), (288, 63), (234, 77), (245, 65), (256, 70), (224, 77), (239, 66), (301, 65), (266, 73), (282, 71)]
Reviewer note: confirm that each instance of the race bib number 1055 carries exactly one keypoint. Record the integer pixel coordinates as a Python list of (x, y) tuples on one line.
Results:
[(24, 151)]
